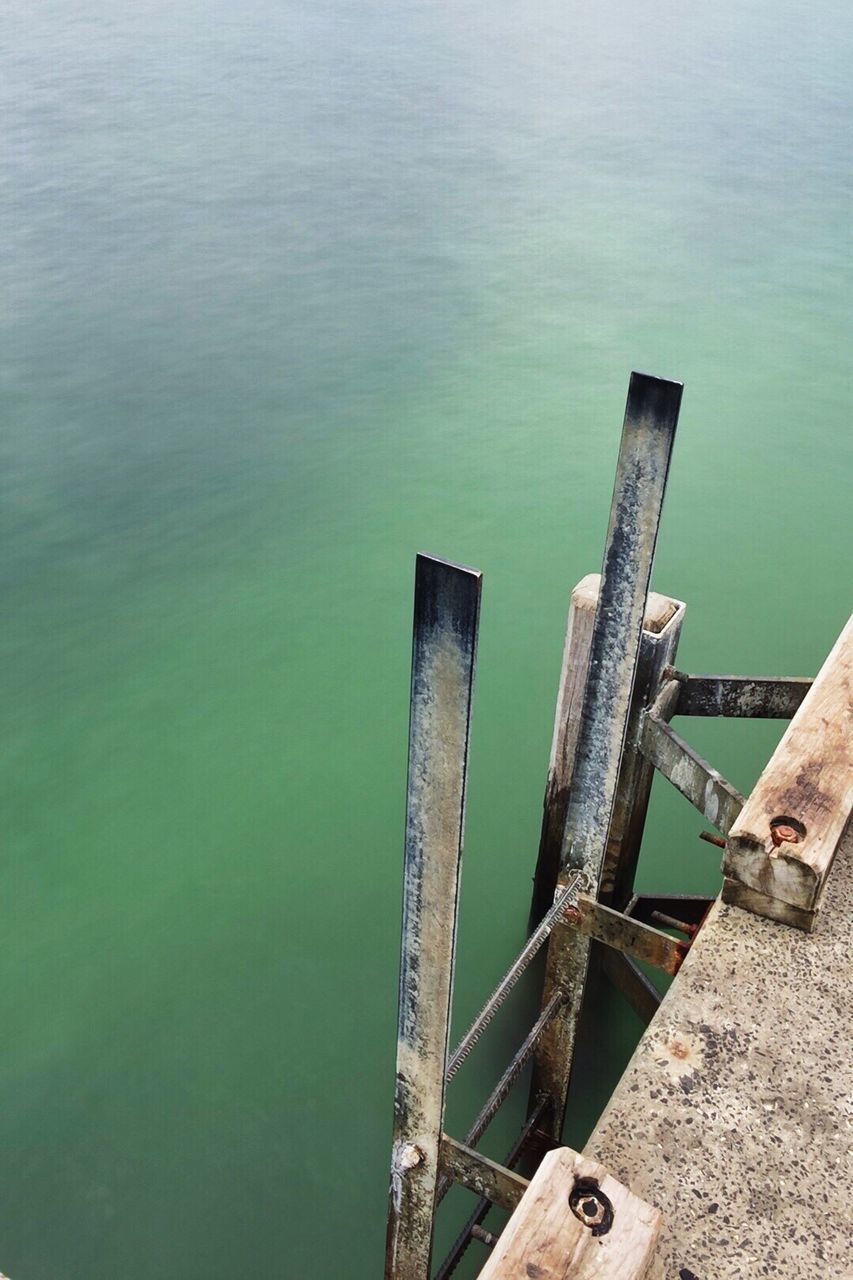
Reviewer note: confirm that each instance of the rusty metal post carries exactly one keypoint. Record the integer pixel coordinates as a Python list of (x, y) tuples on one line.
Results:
[(446, 620), (651, 416)]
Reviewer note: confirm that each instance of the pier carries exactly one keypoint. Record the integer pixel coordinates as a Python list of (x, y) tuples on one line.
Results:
[(723, 1150)]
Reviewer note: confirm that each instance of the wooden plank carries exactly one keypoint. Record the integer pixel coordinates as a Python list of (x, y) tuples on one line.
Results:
[(575, 1220), (785, 839)]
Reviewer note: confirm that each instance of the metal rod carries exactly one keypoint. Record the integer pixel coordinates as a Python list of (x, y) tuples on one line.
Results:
[(444, 645), (511, 977), (648, 434), (458, 1248), (499, 1094), (749, 697), (699, 782), (670, 922), (485, 1237), (712, 839)]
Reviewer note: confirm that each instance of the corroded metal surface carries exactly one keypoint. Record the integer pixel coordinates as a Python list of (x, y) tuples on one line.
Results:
[(625, 934), (749, 697), (699, 782), (476, 1172), (651, 416), (531, 949), (460, 1245), (446, 617)]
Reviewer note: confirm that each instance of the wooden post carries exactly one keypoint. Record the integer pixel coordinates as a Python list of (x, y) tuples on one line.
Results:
[(444, 646), (575, 1220), (780, 849), (567, 718)]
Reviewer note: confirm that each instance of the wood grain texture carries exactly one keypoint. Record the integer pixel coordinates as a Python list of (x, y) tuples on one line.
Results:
[(807, 785), (544, 1240)]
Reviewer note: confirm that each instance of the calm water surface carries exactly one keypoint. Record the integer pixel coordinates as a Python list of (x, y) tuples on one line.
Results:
[(289, 292)]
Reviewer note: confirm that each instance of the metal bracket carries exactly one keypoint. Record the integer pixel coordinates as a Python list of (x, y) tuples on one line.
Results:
[(742, 697), (620, 932)]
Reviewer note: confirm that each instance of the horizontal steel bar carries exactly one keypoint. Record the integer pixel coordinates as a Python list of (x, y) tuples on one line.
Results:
[(700, 783), (478, 1173), (748, 697), (519, 965), (624, 934), (457, 1250)]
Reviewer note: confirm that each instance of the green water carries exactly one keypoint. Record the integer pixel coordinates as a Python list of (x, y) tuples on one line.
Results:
[(288, 293)]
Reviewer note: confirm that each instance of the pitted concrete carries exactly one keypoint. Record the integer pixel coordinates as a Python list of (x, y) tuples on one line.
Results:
[(734, 1115)]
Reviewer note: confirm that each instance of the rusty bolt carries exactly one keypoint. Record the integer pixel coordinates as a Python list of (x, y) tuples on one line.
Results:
[(781, 833), (591, 1206), (410, 1157), (571, 914)]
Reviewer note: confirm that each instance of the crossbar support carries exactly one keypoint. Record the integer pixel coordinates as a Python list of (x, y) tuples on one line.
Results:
[(476, 1172), (742, 697)]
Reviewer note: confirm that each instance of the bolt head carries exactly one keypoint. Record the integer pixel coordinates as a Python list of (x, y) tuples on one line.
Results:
[(783, 834)]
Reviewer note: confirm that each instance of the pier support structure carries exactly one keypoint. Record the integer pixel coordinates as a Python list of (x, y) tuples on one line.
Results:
[(619, 690)]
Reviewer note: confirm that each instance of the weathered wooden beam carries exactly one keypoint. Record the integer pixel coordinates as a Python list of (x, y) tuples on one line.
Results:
[(745, 697), (785, 840), (478, 1173), (575, 1220), (444, 646)]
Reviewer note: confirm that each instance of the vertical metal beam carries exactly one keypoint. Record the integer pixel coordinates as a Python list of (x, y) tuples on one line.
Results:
[(648, 433), (444, 645), (657, 651)]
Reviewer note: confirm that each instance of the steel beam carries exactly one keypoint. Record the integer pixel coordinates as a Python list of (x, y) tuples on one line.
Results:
[(623, 933), (460, 1245), (648, 434), (699, 782), (476, 1172), (625, 835), (745, 697), (628, 978), (446, 620)]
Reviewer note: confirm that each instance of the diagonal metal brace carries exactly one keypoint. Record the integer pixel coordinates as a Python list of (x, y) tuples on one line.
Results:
[(699, 782)]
